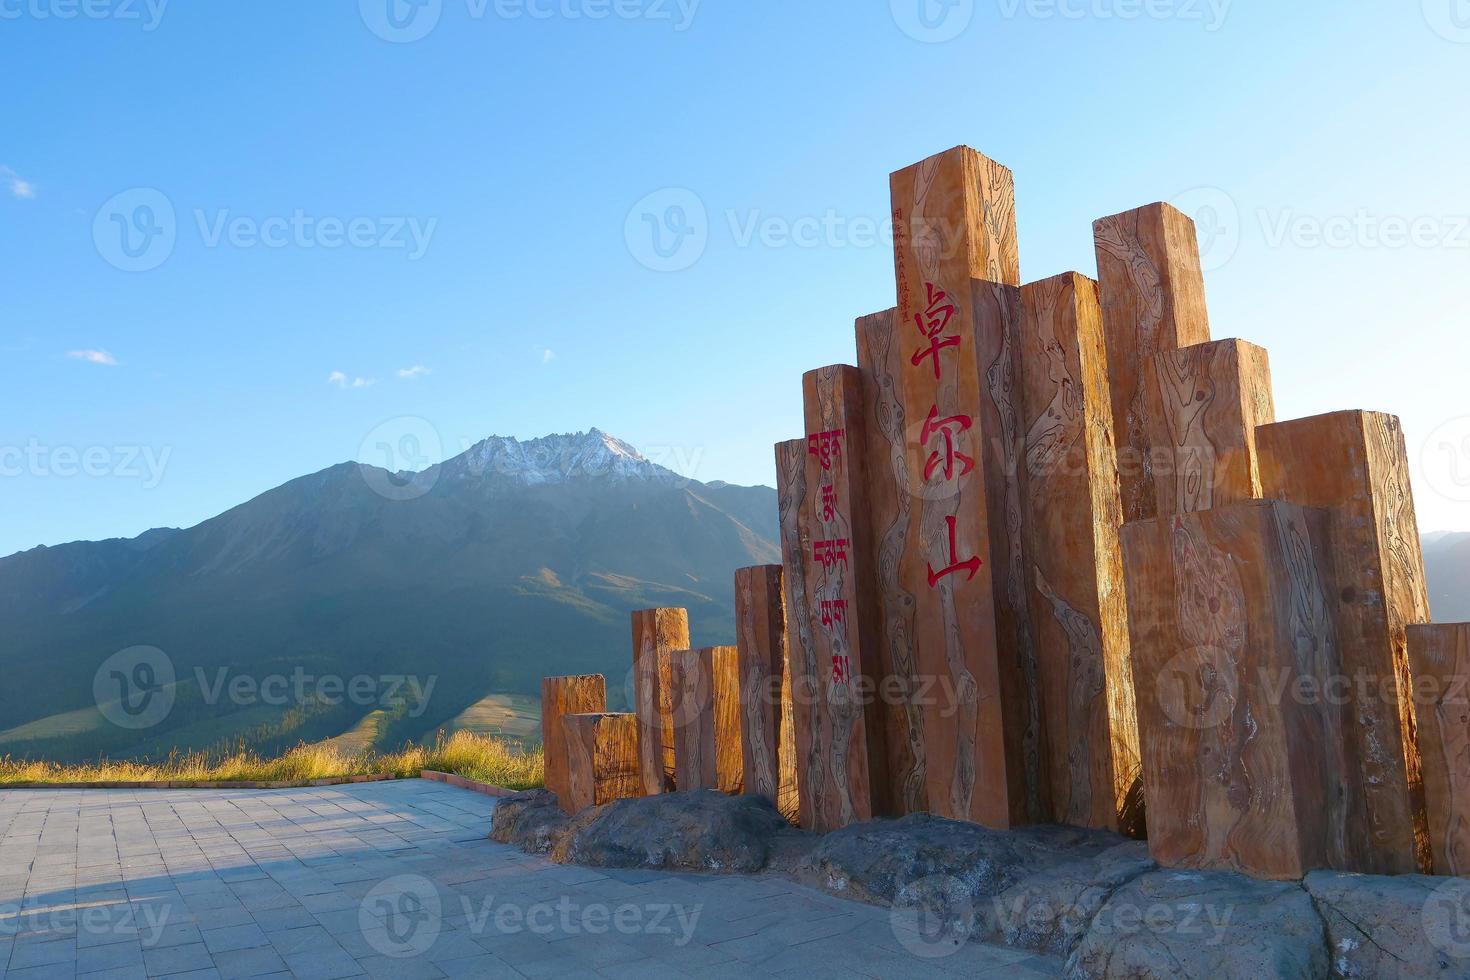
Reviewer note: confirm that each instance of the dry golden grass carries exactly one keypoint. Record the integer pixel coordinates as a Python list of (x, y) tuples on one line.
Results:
[(465, 754)]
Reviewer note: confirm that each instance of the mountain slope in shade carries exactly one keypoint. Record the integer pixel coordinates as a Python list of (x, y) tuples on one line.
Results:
[(1447, 567), (512, 561)]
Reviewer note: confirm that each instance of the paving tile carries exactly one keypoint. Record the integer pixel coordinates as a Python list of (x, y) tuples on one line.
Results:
[(237, 964), (115, 956), (234, 937), (177, 959)]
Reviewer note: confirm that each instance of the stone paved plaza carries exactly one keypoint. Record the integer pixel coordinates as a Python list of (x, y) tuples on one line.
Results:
[(397, 880)]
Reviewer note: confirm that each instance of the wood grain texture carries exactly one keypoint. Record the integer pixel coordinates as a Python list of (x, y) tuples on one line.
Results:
[(842, 610), (707, 738), (1356, 465), (602, 757), (565, 696), (1229, 610), (1079, 611), (794, 504), (1204, 404), (656, 630), (768, 738), (1153, 298), (1439, 656), (957, 332), (892, 467)]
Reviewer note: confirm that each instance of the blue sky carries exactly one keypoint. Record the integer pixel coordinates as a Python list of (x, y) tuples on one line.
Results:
[(369, 230)]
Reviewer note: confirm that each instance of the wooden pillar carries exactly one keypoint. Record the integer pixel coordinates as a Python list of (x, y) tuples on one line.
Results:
[(768, 739), (1204, 403), (1439, 657), (882, 359), (1356, 465), (1153, 299), (1232, 649), (707, 749), (565, 696), (794, 506), (1079, 612), (656, 631), (958, 335), (842, 610), (602, 758)]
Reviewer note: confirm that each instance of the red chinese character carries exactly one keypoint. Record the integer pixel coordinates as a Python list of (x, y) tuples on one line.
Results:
[(932, 323), (971, 565), (826, 446), (830, 553), (829, 504), (834, 612), (949, 428), (841, 669)]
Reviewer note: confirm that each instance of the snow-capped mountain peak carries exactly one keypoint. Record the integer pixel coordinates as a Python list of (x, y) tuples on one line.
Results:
[(559, 458)]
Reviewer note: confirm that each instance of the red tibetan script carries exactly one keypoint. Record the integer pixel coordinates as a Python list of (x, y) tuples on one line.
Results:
[(949, 428), (829, 554), (932, 323), (971, 565), (841, 669), (829, 504), (827, 447), (834, 612)]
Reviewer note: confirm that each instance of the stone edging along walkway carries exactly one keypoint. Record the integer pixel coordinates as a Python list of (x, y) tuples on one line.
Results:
[(1093, 899), (437, 777)]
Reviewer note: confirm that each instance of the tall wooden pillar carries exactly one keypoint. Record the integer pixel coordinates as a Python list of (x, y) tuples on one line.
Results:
[(1153, 299), (707, 746), (656, 631), (842, 610), (958, 334), (602, 760), (565, 696), (1078, 609), (1231, 625), (1356, 465), (1204, 403), (768, 738), (795, 507), (883, 359), (1439, 656)]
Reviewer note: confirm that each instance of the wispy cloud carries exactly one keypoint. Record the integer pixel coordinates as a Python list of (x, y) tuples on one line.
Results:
[(340, 380), (548, 355), (417, 371), (18, 185), (93, 357)]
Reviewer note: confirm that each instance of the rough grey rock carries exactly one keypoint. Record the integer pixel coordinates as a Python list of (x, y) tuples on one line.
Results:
[(704, 831), (1212, 925), (874, 862), (1050, 910), (531, 821), (1405, 927), (1036, 887)]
